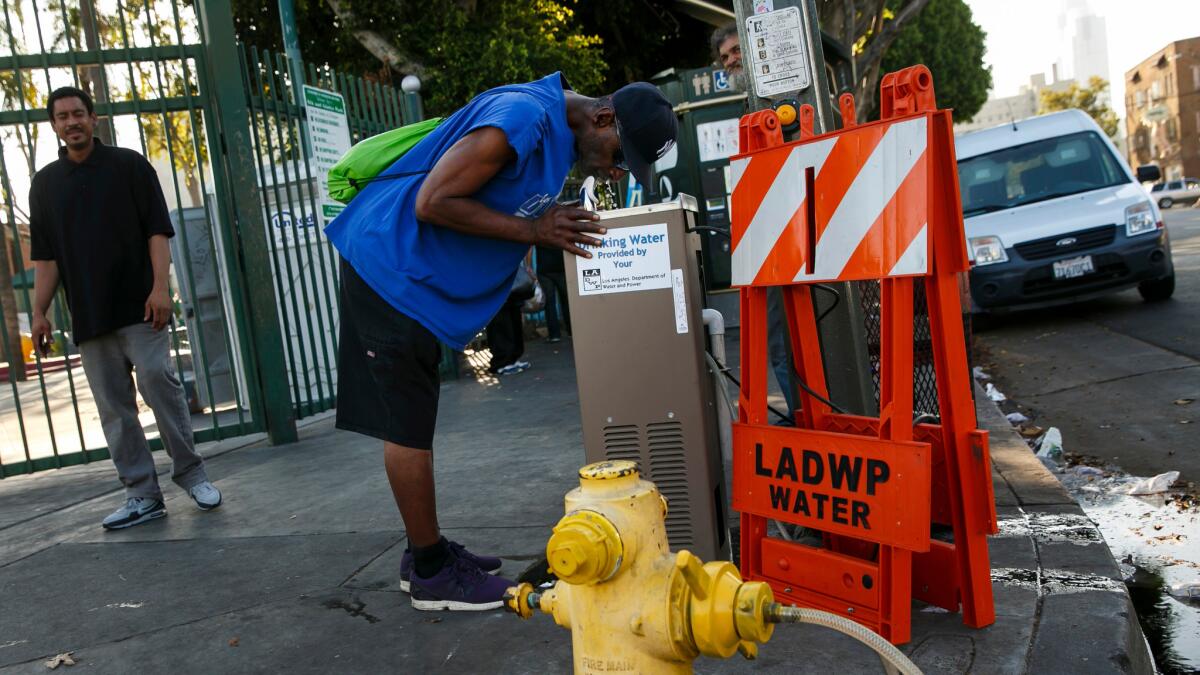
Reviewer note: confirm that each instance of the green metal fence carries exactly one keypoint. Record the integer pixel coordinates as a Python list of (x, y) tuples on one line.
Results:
[(253, 278), (304, 262), (145, 66)]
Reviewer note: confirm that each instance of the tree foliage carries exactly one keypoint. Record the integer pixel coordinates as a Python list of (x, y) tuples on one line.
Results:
[(643, 37), (458, 47), (945, 38), (1091, 99)]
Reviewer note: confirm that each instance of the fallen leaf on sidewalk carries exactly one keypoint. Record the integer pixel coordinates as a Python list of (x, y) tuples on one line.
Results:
[(60, 660), (233, 642), (1184, 401)]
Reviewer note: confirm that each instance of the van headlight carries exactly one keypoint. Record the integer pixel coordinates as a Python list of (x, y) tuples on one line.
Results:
[(1139, 219), (988, 250)]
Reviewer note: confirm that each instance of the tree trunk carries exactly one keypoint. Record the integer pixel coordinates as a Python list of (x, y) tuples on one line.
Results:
[(867, 64), (10, 350), (91, 74), (379, 46), (193, 187)]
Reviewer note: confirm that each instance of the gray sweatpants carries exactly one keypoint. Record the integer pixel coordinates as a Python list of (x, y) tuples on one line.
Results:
[(108, 361)]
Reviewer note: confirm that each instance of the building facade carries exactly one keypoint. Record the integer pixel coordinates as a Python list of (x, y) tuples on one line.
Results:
[(1162, 110)]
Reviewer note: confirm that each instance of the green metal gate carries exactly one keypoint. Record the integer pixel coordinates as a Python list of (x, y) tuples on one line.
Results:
[(253, 278), (305, 263)]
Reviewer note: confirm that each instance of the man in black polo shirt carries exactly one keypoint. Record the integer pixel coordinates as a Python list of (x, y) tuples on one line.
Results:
[(99, 224)]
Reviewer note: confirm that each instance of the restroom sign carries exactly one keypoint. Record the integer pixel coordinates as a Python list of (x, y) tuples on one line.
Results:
[(630, 259)]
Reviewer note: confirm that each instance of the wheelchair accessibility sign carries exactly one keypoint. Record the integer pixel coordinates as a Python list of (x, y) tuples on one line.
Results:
[(720, 80)]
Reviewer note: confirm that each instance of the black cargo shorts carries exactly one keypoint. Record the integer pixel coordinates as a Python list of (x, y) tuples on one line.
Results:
[(388, 381)]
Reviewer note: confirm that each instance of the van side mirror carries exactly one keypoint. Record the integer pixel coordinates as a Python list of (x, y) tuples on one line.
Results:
[(1148, 173)]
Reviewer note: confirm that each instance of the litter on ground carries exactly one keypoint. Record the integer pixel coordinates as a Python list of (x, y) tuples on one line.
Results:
[(1155, 485), (1051, 446), (63, 659)]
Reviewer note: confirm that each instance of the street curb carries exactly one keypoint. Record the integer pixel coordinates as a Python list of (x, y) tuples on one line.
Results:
[(1085, 620)]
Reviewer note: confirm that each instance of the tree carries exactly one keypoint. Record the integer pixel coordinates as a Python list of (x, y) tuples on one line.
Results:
[(643, 37), (10, 348), (458, 47), (1091, 99), (944, 38), (870, 27)]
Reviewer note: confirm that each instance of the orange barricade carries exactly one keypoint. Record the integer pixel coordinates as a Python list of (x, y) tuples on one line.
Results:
[(872, 201)]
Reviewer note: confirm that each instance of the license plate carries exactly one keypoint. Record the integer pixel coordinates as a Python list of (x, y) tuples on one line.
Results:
[(1074, 267)]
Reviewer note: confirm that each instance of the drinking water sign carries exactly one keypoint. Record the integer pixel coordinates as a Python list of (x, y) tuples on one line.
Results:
[(630, 259)]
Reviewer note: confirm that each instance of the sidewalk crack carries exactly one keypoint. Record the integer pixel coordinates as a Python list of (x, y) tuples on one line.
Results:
[(1114, 379), (375, 557)]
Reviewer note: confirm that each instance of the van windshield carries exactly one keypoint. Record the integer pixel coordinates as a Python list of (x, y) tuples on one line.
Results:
[(1037, 171)]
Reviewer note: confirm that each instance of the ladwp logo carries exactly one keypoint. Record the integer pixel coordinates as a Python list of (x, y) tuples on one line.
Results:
[(591, 279)]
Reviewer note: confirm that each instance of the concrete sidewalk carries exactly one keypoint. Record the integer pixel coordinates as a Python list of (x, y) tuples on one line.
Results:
[(298, 570)]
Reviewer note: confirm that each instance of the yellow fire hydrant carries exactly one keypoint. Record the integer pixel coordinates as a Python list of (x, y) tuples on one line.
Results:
[(630, 604)]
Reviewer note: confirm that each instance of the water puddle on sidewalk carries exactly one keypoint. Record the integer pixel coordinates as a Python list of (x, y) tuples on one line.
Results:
[(1156, 540)]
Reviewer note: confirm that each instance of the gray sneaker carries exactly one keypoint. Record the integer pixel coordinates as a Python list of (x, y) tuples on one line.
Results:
[(206, 495), (137, 510)]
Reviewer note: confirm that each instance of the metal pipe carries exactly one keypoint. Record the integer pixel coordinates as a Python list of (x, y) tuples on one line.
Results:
[(714, 323)]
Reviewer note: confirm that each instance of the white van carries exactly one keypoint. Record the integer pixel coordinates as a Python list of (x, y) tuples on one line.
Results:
[(1053, 215)]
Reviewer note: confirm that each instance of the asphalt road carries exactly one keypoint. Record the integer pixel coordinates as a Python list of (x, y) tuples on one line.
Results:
[(1109, 372)]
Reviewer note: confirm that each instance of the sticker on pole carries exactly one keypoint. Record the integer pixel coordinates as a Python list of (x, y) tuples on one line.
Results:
[(777, 51), (631, 259)]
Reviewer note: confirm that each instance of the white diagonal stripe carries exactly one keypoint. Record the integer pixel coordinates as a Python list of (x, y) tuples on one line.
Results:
[(777, 208), (915, 259), (877, 181), (736, 168)]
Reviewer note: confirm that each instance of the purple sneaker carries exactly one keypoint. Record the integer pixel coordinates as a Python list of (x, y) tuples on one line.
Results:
[(487, 563), (460, 586)]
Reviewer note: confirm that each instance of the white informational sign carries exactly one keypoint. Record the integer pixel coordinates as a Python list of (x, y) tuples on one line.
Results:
[(780, 59), (329, 136), (680, 296), (717, 140), (631, 259)]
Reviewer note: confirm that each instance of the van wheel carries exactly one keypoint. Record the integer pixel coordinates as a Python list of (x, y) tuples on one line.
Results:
[(1157, 290), (1165, 203)]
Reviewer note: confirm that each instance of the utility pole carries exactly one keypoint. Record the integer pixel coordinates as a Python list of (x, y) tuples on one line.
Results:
[(783, 63), (291, 47)]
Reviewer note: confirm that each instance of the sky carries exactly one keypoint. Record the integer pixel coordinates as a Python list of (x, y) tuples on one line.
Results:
[(1023, 36)]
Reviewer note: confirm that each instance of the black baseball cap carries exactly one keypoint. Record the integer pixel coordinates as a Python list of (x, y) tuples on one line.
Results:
[(647, 126)]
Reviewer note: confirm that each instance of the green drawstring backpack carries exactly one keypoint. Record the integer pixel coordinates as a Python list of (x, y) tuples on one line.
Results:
[(370, 156)]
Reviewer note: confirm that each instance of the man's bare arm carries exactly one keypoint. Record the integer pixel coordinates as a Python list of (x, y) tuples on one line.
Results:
[(45, 283), (446, 198), (158, 303)]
